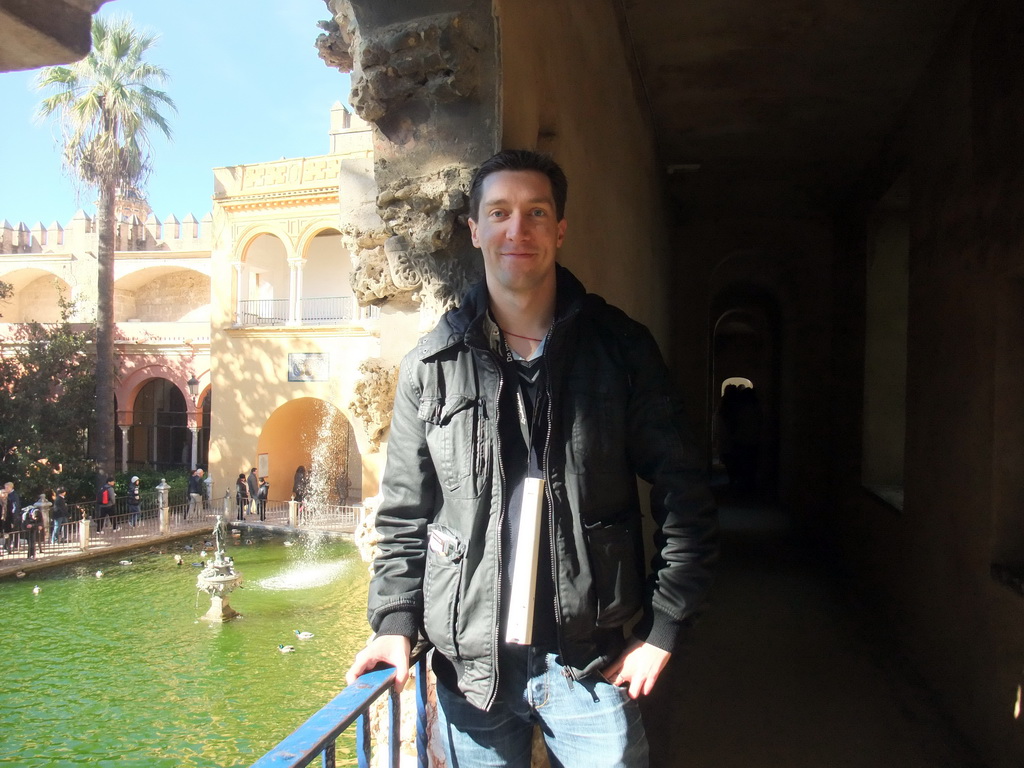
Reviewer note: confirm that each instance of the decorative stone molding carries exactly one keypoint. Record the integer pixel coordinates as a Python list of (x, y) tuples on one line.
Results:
[(434, 57), (405, 77), (335, 44), (393, 271), (375, 399)]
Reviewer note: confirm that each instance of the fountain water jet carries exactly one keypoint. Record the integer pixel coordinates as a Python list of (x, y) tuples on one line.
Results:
[(219, 578)]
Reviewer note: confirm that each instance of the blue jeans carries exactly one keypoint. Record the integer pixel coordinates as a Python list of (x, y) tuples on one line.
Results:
[(587, 723)]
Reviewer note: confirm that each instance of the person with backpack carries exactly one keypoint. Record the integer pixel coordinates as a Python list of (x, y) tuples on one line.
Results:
[(105, 501), (32, 524)]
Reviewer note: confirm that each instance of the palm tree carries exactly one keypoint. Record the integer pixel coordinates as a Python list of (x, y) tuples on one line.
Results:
[(106, 104)]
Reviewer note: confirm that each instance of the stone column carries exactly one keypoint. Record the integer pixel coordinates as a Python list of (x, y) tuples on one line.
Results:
[(293, 513), (83, 533), (239, 267), (124, 446), (295, 291), (165, 510), (195, 445)]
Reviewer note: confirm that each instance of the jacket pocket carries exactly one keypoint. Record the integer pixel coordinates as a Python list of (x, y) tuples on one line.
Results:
[(442, 588), (595, 423), (614, 568), (457, 437)]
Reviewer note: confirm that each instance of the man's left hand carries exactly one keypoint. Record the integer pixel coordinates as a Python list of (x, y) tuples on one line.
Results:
[(638, 667)]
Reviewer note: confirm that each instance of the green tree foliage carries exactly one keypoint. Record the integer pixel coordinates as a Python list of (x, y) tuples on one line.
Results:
[(46, 374), (106, 105)]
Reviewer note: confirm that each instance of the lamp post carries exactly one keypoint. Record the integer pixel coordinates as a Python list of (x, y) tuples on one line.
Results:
[(193, 390)]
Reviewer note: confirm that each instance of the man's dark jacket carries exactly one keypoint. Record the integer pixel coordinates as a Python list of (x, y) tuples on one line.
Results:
[(613, 417)]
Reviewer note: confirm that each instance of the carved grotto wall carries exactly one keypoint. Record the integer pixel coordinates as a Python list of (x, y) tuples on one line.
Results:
[(424, 73)]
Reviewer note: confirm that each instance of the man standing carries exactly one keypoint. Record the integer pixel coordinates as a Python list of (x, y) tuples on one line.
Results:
[(134, 501), (59, 514), (533, 408), (195, 494), (253, 482), (105, 501), (11, 517), (32, 524)]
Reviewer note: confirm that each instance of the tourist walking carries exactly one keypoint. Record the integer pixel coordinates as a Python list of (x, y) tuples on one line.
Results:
[(134, 501), (241, 496), (59, 515), (517, 553), (105, 501), (261, 498), (12, 517), (195, 494), (254, 489), (32, 524)]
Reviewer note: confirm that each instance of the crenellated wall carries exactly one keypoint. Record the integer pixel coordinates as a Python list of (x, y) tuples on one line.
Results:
[(133, 234)]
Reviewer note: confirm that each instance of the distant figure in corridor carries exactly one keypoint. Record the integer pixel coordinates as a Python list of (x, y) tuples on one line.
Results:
[(738, 435), (241, 496)]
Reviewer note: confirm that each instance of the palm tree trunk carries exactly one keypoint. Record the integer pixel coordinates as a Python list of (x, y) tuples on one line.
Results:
[(106, 424)]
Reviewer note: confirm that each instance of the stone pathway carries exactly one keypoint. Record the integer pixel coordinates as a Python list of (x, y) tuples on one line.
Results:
[(783, 672)]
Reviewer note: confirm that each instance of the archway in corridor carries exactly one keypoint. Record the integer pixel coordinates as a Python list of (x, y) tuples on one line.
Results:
[(313, 434), (159, 437), (745, 352)]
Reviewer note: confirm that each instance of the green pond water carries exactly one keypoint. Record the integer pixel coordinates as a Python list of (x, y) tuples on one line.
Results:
[(120, 671)]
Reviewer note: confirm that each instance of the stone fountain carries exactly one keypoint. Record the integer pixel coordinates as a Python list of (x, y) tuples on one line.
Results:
[(219, 578)]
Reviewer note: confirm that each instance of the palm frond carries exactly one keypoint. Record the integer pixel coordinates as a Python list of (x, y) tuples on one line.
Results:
[(106, 104)]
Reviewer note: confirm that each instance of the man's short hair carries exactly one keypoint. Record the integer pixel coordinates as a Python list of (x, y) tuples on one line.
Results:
[(520, 160), (110, 479)]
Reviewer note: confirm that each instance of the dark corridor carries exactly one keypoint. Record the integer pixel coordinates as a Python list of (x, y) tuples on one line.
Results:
[(784, 671)]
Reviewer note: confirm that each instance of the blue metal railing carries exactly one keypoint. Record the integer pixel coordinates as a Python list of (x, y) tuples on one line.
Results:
[(317, 736)]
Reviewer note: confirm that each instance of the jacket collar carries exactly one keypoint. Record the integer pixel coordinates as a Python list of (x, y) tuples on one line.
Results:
[(466, 323)]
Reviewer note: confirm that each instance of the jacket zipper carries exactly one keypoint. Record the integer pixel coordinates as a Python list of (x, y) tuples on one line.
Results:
[(570, 676), (501, 522)]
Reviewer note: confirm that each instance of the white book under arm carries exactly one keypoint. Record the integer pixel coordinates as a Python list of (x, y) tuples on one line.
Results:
[(519, 627)]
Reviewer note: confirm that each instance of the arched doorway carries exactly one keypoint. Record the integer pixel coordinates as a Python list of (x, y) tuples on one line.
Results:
[(744, 390), (159, 437), (314, 435)]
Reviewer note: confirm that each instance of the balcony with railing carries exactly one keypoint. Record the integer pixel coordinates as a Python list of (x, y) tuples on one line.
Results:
[(314, 311)]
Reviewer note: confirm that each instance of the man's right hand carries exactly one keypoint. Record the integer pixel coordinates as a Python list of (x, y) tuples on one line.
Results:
[(393, 650)]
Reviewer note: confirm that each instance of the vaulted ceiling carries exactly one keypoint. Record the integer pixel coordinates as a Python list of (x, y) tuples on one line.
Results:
[(760, 103)]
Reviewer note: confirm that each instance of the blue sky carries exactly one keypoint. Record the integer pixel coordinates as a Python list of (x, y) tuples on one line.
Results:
[(248, 85)]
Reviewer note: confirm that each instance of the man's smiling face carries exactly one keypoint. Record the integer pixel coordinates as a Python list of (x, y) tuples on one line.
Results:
[(517, 230)]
